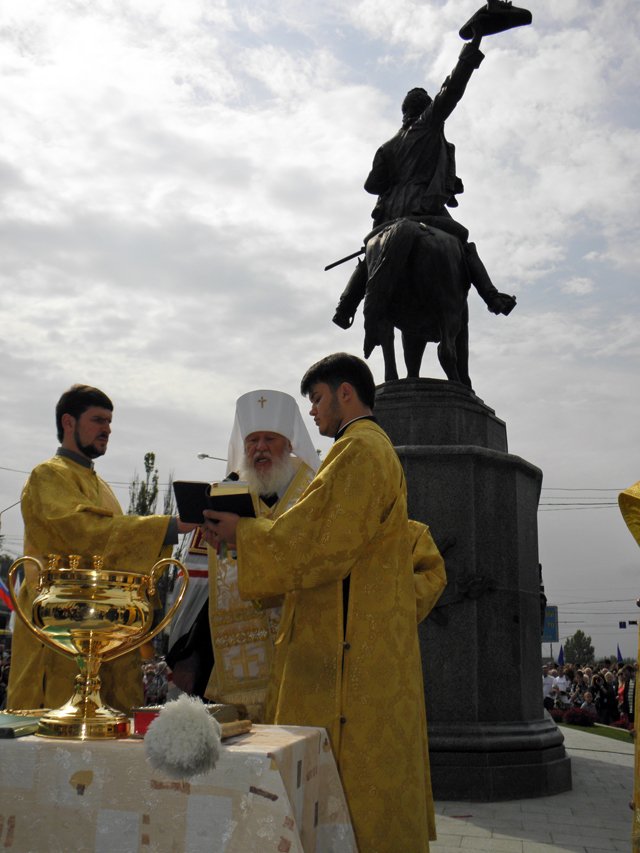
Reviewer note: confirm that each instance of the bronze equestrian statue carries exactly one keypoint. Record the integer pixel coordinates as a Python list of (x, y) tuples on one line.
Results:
[(419, 262)]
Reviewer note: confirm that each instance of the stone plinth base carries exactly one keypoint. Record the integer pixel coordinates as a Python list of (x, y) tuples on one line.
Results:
[(500, 761), (481, 647), (436, 412)]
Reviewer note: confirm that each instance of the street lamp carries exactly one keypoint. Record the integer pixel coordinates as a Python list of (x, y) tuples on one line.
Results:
[(208, 456)]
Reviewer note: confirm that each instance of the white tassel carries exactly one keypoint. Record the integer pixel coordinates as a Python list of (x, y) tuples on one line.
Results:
[(184, 740)]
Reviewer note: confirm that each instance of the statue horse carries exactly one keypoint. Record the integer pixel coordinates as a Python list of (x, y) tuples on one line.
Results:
[(418, 282)]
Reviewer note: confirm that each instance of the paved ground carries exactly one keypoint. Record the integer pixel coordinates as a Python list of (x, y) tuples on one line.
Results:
[(592, 818)]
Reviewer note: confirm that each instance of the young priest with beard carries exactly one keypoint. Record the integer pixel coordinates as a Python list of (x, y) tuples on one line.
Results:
[(271, 450), (68, 509), (358, 576)]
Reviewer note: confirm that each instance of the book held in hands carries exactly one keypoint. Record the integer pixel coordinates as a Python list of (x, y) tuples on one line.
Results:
[(193, 497)]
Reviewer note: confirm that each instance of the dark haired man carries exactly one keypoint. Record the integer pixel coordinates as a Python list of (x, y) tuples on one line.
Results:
[(68, 509), (357, 577)]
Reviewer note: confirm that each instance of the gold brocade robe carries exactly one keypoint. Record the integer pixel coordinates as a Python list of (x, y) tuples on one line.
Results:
[(363, 685), (629, 502), (68, 509), (243, 632)]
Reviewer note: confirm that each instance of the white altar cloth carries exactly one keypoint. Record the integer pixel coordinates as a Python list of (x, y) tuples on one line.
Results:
[(275, 789)]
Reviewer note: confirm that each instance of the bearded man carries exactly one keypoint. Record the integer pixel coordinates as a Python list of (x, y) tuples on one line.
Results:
[(68, 509), (270, 449), (358, 576)]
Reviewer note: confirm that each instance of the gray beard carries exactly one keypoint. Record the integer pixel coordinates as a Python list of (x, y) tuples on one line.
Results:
[(276, 479)]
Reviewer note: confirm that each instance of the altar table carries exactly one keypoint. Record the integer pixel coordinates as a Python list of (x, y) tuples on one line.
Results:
[(275, 789)]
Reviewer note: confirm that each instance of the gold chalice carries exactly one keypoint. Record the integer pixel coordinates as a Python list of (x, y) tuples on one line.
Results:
[(91, 614)]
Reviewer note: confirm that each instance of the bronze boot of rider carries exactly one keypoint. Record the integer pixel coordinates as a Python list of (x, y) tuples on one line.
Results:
[(497, 303), (351, 297)]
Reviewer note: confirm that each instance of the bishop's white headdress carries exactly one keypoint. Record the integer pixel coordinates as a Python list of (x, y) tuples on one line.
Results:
[(270, 411)]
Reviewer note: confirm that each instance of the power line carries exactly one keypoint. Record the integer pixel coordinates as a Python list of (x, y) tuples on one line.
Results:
[(569, 508), (593, 601), (577, 489), (585, 503), (543, 489), (597, 613)]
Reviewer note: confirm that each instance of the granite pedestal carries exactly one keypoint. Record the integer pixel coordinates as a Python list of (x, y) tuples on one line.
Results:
[(489, 737)]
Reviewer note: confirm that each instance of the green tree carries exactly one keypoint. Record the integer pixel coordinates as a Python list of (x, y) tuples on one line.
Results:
[(143, 498), (578, 649), (5, 561), (169, 504), (143, 494)]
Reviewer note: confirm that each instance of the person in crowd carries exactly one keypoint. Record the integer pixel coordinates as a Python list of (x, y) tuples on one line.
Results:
[(606, 700), (588, 705), (620, 688), (562, 687), (68, 509), (598, 692), (271, 450), (626, 694), (578, 688), (155, 682), (357, 576), (4, 678), (547, 688)]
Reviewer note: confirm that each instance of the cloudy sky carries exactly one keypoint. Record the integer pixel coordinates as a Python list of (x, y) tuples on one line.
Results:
[(174, 176)]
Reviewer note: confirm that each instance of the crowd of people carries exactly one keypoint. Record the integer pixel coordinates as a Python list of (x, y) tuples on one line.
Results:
[(5, 663), (606, 693)]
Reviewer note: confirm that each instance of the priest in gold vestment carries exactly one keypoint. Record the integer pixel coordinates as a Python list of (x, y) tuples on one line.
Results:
[(629, 502), (270, 448), (357, 577), (68, 509)]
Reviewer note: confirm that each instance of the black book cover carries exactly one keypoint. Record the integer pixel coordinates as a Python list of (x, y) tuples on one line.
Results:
[(193, 497)]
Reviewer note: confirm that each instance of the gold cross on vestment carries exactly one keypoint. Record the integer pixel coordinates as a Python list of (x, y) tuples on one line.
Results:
[(246, 662), (262, 401)]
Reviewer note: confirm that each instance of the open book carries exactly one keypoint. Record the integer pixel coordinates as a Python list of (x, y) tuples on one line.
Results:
[(192, 497)]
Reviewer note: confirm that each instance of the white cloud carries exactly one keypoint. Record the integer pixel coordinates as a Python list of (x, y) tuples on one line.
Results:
[(578, 286)]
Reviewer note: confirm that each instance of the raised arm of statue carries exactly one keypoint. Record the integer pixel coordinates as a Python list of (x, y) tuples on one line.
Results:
[(454, 86)]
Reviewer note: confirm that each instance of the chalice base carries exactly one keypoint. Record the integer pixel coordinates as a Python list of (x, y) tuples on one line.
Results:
[(84, 717)]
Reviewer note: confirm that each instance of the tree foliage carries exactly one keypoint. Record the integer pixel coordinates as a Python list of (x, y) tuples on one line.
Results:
[(578, 649), (169, 504), (143, 499), (5, 561), (143, 494)]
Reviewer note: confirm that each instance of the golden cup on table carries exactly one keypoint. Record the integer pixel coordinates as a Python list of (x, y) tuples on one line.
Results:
[(91, 613)]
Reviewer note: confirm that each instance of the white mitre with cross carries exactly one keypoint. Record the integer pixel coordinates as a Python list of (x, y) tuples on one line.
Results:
[(270, 411)]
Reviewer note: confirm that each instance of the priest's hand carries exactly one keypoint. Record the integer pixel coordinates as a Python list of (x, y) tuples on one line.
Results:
[(220, 527), (185, 526)]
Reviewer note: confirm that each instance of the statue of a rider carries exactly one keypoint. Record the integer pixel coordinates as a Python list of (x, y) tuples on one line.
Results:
[(414, 173)]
